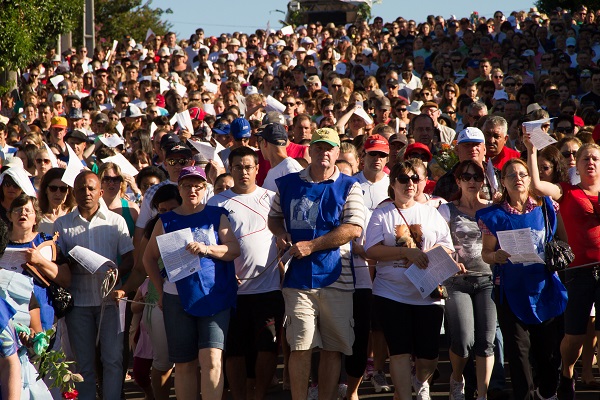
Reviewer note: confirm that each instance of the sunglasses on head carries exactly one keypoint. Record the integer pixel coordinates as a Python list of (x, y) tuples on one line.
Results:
[(466, 177), (404, 179), (53, 188)]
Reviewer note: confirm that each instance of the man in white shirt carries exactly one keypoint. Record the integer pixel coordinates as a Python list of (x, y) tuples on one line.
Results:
[(94, 227), (254, 327), (272, 142)]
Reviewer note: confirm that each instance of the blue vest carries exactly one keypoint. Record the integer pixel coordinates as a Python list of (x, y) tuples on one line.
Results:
[(533, 294), (6, 313), (312, 210), (214, 287)]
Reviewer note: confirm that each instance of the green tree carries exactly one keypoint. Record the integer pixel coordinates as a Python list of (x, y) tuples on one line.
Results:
[(117, 18), (29, 27), (549, 5)]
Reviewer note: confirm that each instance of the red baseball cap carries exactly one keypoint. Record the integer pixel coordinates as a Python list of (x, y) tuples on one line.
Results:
[(417, 146), (377, 143)]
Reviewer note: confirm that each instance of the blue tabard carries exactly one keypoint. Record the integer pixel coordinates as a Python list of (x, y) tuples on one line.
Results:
[(312, 210), (214, 287), (533, 294)]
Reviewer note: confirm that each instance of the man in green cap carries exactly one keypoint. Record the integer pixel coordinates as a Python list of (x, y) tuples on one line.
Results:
[(314, 216)]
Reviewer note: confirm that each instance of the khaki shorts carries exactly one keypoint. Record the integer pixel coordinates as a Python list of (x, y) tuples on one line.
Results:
[(319, 318)]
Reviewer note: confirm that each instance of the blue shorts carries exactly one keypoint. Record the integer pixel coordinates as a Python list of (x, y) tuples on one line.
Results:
[(186, 334)]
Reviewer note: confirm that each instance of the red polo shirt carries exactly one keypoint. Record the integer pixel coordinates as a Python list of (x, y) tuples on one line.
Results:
[(505, 154)]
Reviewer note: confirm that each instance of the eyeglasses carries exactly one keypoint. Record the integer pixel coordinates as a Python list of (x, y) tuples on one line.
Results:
[(546, 168), (426, 93), (243, 168), (520, 175), (450, 112), (568, 154), (466, 177), (174, 161), (561, 129), (336, 86), (21, 211), (42, 161), (53, 188), (404, 179), (205, 99), (290, 104), (509, 84), (112, 179), (499, 77), (377, 154), (189, 187), (328, 110), (401, 110), (401, 129)]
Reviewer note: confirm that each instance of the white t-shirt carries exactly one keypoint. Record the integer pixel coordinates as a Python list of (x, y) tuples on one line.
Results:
[(248, 214), (287, 166), (390, 281), (373, 194)]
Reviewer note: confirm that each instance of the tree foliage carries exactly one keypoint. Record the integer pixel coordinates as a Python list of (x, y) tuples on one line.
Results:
[(117, 18), (29, 27), (548, 5)]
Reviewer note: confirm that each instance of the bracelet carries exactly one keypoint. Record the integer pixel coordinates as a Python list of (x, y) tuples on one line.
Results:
[(205, 250)]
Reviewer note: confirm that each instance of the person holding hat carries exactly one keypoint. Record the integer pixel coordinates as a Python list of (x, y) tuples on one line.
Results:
[(315, 215), (272, 142), (197, 308)]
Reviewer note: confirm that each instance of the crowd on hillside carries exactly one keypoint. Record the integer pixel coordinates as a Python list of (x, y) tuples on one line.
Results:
[(205, 205)]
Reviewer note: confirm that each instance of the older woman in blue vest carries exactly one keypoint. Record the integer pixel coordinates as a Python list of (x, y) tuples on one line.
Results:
[(528, 297), (196, 309)]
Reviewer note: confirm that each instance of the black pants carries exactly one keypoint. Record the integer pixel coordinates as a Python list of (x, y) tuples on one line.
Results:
[(522, 341), (356, 363)]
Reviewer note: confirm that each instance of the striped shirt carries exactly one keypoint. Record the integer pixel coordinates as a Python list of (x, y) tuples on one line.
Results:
[(353, 212), (106, 234)]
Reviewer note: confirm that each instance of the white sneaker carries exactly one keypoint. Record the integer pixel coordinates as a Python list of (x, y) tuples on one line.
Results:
[(553, 397), (457, 389), (379, 382), (313, 393), (342, 391), (421, 389)]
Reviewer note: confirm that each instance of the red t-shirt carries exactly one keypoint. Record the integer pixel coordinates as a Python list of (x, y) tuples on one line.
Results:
[(581, 215), (505, 154), (293, 150)]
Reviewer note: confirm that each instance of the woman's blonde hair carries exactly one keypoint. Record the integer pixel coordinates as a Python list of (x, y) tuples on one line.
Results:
[(117, 170)]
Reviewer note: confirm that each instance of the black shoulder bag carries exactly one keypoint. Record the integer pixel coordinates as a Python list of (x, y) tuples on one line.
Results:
[(558, 254)]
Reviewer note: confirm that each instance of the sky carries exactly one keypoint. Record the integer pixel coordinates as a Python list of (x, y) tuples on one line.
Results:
[(218, 16)]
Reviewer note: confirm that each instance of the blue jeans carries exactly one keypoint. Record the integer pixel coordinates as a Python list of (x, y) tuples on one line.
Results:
[(82, 323)]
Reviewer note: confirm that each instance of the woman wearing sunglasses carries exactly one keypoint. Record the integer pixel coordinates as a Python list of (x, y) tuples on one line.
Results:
[(399, 233), (55, 198), (470, 310), (114, 186), (43, 163)]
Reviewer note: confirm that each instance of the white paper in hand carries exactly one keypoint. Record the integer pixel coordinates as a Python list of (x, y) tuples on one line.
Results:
[(287, 30), (441, 267), (90, 260), (74, 167), (120, 128), (181, 90), (179, 263), (539, 138), (274, 105), (123, 163), (56, 79), (209, 152), (363, 114), (164, 84), (51, 156), (12, 259), (153, 128), (210, 87), (111, 141), (185, 121), (149, 33)]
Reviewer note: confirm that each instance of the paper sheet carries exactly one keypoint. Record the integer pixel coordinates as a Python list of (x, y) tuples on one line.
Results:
[(56, 79), (123, 163), (274, 105), (209, 152), (363, 114), (287, 30), (539, 138), (120, 128), (179, 263), (89, 259), (209, 108), (519, 244), (210, 87), (74, 167), (21, 178), (111, 141), (149, 33), (441, 267), (153, 128), (181, 90), (185, 121), (51, 156), (12, 259), (164, 85), (122, 309)]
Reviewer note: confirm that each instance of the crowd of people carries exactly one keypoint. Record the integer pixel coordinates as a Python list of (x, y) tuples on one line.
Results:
[(215, 202)]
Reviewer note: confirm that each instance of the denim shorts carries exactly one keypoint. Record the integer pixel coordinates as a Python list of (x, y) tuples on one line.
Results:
[(187, 334)]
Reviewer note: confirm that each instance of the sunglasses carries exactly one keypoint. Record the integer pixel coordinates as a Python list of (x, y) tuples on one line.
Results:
[(290, 104), (53, 188), (466, 177), (377, 154), (112, 179), (563, 130), (180, 161), (336, 86), (510, 84), (42, 161), (546, 168), (568, 154), (404, 179), (499, 77), (400, 109)]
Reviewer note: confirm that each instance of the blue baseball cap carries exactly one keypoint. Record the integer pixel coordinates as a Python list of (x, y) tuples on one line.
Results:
[(240, 128), (221, 129)]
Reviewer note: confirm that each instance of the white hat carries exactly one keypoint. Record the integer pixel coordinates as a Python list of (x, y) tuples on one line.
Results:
[(281, 43), (415, 107), (300, 50), (367, 52), (306, 40), (532, 107), (251, 90), (470, 135)]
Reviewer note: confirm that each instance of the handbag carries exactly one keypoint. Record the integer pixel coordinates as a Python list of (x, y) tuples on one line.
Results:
[(61, 299), (558, 254)]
